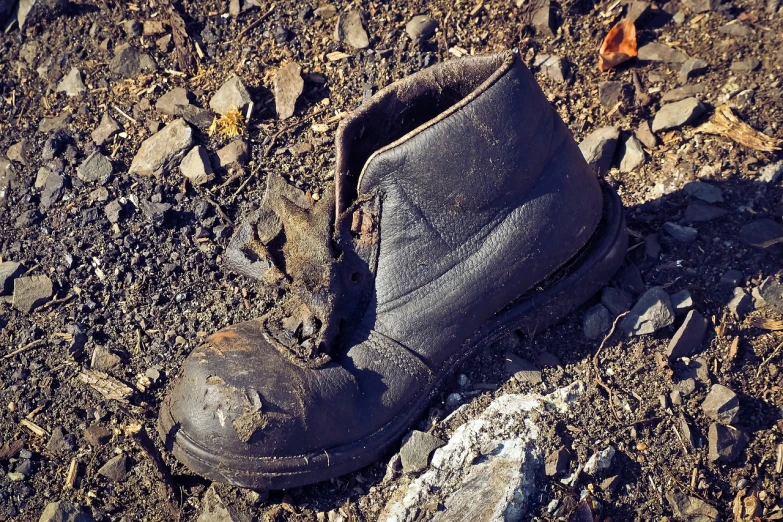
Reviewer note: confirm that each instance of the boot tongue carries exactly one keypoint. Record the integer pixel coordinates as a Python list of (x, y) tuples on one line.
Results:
[(292, 238)]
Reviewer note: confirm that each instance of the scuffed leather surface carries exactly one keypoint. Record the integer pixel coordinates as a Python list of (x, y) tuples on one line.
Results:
[(303, 410), (477, 209)]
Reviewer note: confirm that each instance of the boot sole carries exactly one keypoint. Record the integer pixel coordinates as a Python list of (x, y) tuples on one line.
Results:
[(590, 271)]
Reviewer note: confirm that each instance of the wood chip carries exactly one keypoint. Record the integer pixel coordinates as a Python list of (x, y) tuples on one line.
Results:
[(106, 385), (772, 325), (73, 471), (10, 450), (36, 429), (337, 55), (725, 123), (734, 349)]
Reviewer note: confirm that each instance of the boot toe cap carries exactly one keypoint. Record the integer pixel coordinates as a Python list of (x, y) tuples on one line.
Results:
[(238, 397)]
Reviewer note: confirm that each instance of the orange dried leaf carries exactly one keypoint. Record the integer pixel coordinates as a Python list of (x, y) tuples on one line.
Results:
[(619, 45)]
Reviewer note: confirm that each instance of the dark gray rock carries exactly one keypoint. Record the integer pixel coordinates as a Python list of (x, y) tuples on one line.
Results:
[(154, 212), (651, 312), (677, 114), (744, 66), (160, 152), (28, 218), (9, 271), (64, 511), (762, 233), (735, 28), (597, 321), (682, 93), (732, 278), (690, 508), (704, 191), (72, 84), (113, 211), (598, 148), (688, 337), (97, 435), (771, 291), (630, 278), (615, 300), (421, 27), (417, 446), (232, 95), (691, 68), (655, 52), (173, 102), (701, 6), (96, 167), (721, 404), (543, 21), (637, 10), (116, 469), (107, 128), (645, 135), (128, 62), (554, 67), (631, 154), (196, 166), (350, 30), (652, 248), (610, 93), (682, 302), (53, 190), (726, 442), (31, 292), (741, 303), (522, 370), (557, 463), (234, 152), (697, 211), (60, 442), (681, 233)]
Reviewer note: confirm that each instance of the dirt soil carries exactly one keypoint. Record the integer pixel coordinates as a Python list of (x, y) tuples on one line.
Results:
[(147, 290)]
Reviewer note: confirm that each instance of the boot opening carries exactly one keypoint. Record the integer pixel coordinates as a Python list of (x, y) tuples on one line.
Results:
[(403, 107)]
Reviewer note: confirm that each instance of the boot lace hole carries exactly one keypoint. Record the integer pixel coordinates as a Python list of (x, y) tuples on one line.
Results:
[(355, 277)]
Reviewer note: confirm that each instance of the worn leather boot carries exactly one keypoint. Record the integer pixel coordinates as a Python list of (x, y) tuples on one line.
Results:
[(462, 211)]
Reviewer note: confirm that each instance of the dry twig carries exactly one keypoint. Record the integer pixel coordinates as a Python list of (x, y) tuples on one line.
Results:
[(598, 379), (768, 359), (24, 348)]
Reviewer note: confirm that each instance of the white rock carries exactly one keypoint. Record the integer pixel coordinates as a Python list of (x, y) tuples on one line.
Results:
[(496, 487), (599, 460), (72, 84)]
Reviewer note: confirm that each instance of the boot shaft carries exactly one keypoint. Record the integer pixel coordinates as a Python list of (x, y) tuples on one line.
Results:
[(483, 193)]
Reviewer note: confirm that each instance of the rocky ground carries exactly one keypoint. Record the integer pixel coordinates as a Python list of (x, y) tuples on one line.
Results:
[(118, 198)]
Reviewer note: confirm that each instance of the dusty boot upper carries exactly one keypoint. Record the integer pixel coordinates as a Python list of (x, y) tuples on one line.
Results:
[(458, 191)]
